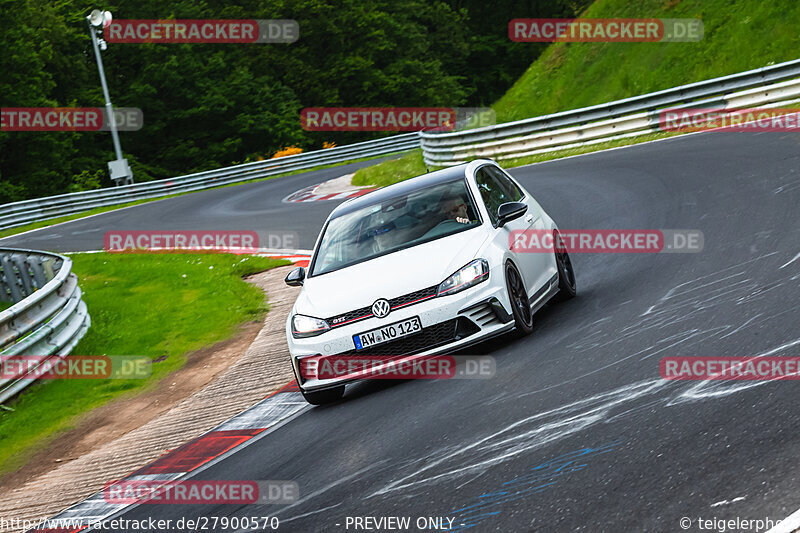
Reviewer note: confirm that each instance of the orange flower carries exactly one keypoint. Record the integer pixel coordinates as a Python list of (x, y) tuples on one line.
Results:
[(289, 150)]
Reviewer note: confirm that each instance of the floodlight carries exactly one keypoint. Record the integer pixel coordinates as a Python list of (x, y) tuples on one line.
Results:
[(96, 18)]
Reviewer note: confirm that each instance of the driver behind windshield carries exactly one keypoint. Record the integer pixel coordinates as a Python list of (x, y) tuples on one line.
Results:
[(420, 216), (455, 208)]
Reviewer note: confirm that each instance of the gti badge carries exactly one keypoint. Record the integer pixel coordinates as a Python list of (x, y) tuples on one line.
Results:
[(381, 308)]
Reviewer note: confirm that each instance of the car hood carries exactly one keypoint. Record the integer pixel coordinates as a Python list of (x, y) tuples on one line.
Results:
[(389, 276)]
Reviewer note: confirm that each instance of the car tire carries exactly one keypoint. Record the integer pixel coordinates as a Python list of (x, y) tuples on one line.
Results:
[(322, 397), (518, 296), (566, 274)]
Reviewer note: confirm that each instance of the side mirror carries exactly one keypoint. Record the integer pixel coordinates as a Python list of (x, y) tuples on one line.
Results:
[(510, 211), (295, 277)]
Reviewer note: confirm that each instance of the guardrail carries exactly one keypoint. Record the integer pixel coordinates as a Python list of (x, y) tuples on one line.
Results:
[(630, 117), (634, 116), (47, 318), (18, 213)]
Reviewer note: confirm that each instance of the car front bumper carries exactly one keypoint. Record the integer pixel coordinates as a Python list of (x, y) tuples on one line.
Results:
[(474, 315)]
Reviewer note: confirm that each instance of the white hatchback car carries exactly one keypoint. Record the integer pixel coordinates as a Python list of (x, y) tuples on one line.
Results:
[(422, 267)]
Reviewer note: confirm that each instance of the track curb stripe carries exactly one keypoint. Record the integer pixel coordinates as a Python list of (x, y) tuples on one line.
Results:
[(307, 195), (299, 260), (193, 456)]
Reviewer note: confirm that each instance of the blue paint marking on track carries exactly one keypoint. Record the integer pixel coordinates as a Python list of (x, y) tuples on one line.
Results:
[(536, 480)]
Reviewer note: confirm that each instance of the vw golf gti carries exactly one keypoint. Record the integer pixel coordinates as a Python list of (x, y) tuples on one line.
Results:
[(421, 267)]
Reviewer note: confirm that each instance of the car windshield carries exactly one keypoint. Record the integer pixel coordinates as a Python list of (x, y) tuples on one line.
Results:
[(395, 224)]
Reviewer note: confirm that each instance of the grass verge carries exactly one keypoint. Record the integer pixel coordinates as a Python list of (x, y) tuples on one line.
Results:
[(161, 306), (391, 171)]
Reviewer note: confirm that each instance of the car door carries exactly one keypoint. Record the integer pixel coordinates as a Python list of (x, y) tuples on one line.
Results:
[(543, 263), (497, 188)]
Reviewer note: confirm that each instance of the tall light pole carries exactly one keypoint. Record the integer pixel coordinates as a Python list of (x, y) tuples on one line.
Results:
[(120, 171)]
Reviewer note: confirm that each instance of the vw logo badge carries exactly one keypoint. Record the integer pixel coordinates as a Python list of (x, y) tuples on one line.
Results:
[(381, 308)]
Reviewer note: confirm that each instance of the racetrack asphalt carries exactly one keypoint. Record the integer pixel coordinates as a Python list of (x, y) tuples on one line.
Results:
[(576, 432), (255, 206)]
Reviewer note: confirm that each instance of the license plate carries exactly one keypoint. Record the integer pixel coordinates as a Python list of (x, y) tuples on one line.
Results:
[(388, 333)]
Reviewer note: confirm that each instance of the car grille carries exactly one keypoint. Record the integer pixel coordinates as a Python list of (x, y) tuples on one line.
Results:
[(395, 303), (430, 337)]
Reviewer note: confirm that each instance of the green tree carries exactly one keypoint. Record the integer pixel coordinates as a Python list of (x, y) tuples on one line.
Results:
[(208, 105)]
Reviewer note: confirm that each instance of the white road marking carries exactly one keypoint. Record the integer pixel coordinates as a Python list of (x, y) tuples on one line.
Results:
[(726, 502), (792, 260), (788, 525)]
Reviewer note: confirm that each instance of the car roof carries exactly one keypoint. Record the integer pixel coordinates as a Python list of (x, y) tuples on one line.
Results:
[(400, 189)]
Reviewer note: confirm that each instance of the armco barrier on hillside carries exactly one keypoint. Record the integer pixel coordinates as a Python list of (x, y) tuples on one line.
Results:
[(772, 85), (48, 317)]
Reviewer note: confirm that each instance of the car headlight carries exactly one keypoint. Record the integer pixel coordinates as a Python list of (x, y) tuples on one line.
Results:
[(307, 326), (472, 274)]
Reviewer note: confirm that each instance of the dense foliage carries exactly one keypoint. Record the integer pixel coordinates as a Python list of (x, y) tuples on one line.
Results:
[(208, 105)]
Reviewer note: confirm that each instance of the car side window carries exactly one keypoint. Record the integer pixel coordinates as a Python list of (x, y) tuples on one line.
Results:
[(496, 189), (512, 190)]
